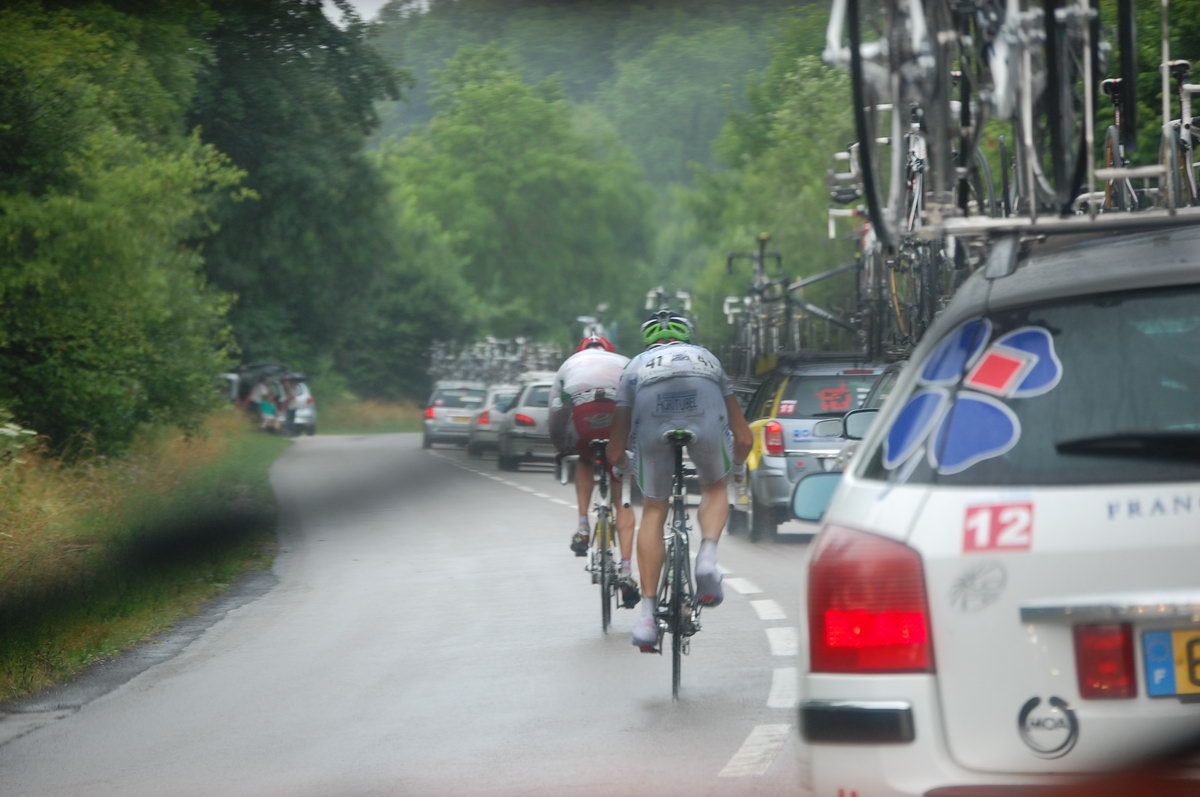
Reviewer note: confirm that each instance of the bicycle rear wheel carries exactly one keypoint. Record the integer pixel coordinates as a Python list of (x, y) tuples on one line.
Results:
[(675, 621), (606, 580)]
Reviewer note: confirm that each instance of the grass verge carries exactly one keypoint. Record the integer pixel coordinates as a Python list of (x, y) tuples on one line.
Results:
[(97, 557), (369, 417)]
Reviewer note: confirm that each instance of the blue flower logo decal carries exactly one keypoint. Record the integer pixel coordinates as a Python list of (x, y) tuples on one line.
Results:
[(961, 429)]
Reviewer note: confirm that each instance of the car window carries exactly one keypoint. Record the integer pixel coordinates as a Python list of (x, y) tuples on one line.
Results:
[(810, 396), (502, 401), (760, 405), (882, 389), (537, 396), (1098, 390), (457, 397)]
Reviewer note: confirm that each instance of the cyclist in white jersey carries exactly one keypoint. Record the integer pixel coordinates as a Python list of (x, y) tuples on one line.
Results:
[(675, 384)]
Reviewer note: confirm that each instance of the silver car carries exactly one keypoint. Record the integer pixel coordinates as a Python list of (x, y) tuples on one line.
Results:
[(524, 433), (485, 423), (449, 410), (782, 414)]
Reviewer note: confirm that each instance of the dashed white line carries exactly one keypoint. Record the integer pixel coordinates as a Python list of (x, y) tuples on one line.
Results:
[(541, 495), (561, 501), (757, 753), (783, 640), (783, 688), (768, 610), (743, 586)]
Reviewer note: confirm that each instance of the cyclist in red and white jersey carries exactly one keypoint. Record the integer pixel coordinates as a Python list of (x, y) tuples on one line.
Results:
[(582, 401)]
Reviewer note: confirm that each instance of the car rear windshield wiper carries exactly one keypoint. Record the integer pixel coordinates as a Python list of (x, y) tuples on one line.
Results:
[(1181, 444)]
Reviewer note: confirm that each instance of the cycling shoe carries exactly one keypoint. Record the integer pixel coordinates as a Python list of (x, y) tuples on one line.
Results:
[(645, 634), (709, 591), (630, 596), (579, 543)]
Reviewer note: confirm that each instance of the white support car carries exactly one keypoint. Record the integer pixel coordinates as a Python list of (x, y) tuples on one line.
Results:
[(1006, 588)]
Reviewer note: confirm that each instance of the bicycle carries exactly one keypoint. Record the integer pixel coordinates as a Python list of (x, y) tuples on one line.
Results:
[(678, 611), (1179, 140), (602, 563)]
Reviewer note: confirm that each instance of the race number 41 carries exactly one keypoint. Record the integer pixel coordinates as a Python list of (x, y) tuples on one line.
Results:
[(998, 527)]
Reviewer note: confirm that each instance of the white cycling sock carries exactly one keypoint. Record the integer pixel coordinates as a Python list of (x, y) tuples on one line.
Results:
[(708, 549), (648, 606), (583, 521), (626, 567)]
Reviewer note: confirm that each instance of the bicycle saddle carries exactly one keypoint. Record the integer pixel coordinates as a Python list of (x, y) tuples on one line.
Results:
[(678, 437)]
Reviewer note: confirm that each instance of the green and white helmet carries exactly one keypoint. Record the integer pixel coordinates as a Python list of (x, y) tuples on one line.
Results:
[(666, 325)]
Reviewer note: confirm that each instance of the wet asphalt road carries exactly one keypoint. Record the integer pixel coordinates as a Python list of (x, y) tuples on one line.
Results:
[(427, 632)]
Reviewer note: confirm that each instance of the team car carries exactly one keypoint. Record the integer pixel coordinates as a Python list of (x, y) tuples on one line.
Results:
[(448, 411), (783, 413), (1004, 590)]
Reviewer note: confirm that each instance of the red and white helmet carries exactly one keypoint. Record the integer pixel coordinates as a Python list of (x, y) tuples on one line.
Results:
[(592, 341)]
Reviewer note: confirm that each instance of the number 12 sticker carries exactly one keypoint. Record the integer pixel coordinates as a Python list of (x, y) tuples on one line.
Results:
[(998, 527)]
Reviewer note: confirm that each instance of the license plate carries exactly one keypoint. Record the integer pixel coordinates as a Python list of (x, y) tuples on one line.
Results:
[(461, 418), (1172, 660)]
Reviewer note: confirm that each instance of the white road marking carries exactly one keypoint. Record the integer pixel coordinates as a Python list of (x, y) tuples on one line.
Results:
[(768, 610), (723, 570), (542, 495), (560, 501), (783, 688), (783, 640), (523, 487), (758, 751), (743, 586)]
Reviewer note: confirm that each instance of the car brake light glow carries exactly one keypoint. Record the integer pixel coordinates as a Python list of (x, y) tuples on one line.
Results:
[(429, 413), (524, 420), (773, 439), (1104, 661), (867, 609), (485, 418)]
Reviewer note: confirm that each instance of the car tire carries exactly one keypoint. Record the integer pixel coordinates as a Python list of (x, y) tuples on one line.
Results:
[(426, 442), (310, 429), (474, 450), (761, 521)]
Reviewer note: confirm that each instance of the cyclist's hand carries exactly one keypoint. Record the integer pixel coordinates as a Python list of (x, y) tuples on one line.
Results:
[(620, 463)]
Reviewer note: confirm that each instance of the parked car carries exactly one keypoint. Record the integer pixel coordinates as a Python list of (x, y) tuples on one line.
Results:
[(782, 413), (524, 432), (1004, 591), (485, 423), (449, 409)]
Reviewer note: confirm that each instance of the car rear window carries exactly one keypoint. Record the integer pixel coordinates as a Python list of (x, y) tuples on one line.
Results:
[(457, 397), (538, 396), (503, 399), (824, 396), (1101, 390)]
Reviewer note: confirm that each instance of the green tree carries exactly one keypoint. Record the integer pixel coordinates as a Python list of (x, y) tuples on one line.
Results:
[(547, 222), (290, 99), (105, 321)]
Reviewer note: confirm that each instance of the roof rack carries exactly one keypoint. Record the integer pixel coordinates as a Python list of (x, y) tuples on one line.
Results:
[(986, 226)]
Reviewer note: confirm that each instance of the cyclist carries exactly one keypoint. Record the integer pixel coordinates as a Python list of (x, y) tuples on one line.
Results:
[(676, 384), (582, 401)]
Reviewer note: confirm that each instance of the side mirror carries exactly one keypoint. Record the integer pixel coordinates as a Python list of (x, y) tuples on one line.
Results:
[(858, 423), (827, 427), (812, 495)]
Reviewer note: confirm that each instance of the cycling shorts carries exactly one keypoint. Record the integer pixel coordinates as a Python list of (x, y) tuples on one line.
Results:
[(685, 402), (592, 421)]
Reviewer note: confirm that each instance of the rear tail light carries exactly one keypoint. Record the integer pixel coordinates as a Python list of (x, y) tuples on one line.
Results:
[(524, 420), (867, 611), (1104, 661), (429, 413), (485, 418), (773, 438)]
